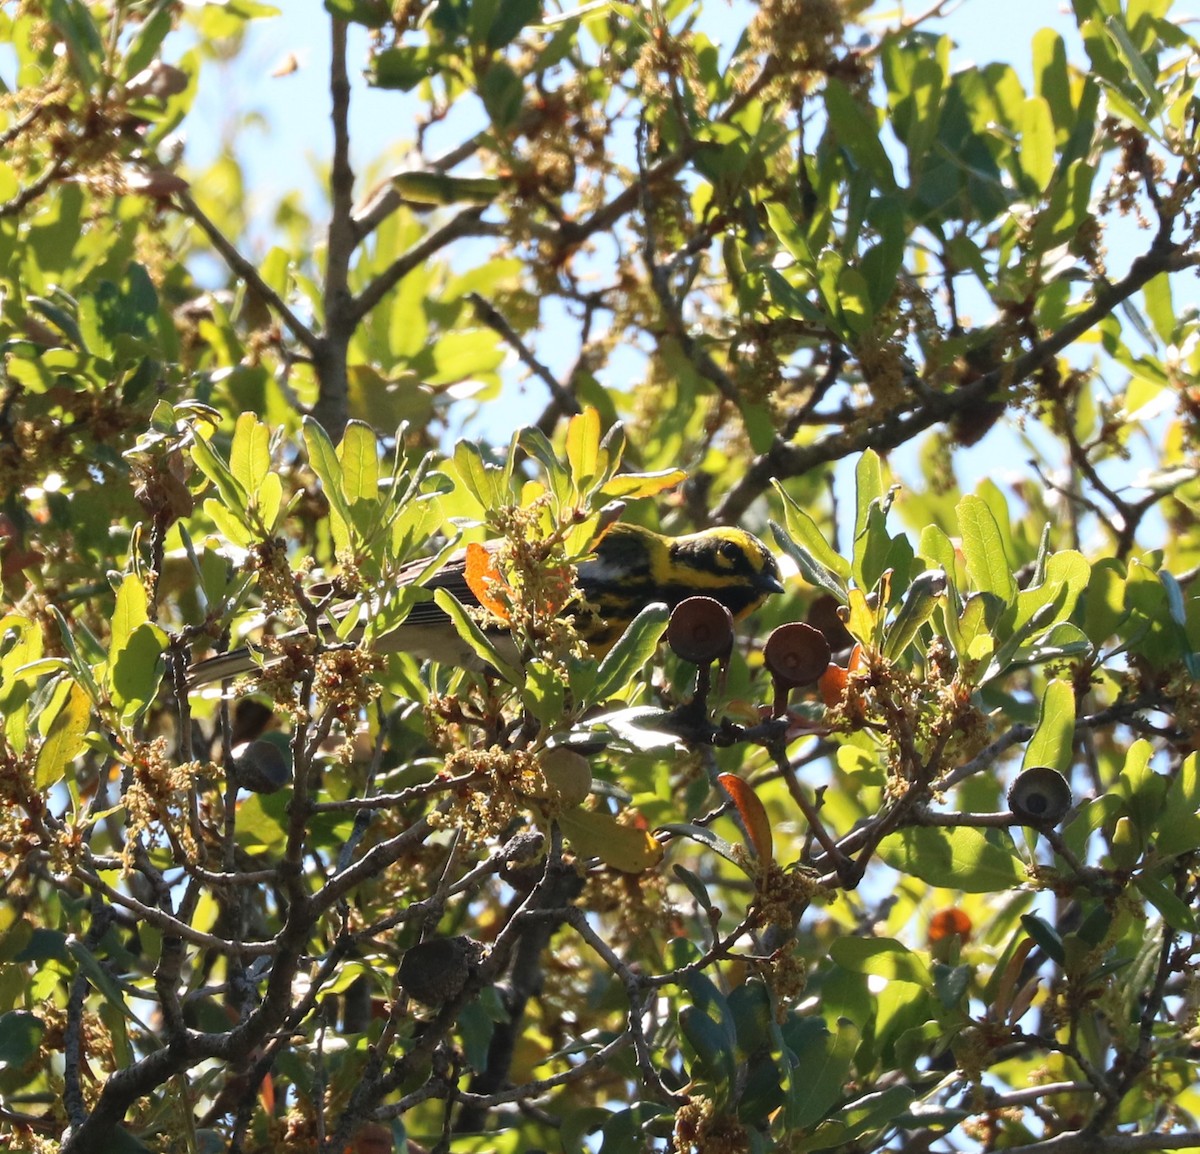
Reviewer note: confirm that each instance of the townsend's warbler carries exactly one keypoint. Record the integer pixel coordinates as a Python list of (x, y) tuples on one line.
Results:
[(630, 568)]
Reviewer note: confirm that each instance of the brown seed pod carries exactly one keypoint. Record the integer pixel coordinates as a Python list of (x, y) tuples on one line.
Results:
[(796, 654), (700, 630), (436, 971), (1040, 796)]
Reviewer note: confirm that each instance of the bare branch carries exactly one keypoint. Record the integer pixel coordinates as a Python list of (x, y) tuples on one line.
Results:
[(246, 270), (491, 317), (466, 223)]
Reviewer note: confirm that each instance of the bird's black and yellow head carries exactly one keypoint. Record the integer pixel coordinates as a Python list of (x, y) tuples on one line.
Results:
[(729, 565), (633, 567)]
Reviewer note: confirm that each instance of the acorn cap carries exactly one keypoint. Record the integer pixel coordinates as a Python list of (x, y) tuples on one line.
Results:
[(796, 654), (1040, 796), (700, 630)]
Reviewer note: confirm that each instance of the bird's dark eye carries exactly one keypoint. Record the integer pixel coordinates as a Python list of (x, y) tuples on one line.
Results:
[(730, 550)]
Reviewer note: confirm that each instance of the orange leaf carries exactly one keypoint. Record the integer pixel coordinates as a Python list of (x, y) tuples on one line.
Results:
[(832, 684), (481, 575), (266, 1094), (949, 921), (754, 816)]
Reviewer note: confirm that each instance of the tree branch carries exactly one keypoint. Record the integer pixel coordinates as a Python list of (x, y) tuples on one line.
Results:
[(784, 459), (250, 275), (466, 223)]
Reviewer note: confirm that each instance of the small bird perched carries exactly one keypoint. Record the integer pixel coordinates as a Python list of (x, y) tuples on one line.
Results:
[(630, 568)]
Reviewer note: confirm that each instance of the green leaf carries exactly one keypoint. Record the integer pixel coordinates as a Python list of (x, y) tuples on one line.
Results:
[(20, 1035), (132, 611), (136, 669), (544, 693), (919, 605), (233, 494), (1159, 307), (1053, 740), (868, 489), (624, 847), (823, 1060), (1068, 210), (1146, 81), (482, 479), (1104, 597), (854, 301), (509, 19), (789, 234), (584, 455), (371, 13), (810, 568), (1046, 936), (1037, 152), (965, 858), (858, 134), (146, 43), (1175, 912), (633, 650), (431, 188), (1179, 821), (406, 67), (714, 1062), (881, 262), (1066, 576), (882, 957), (712, 841), (475, 637), (79, 33), (250, 453), (862, 1116), (1052, 77), (502, 92), (359, 457), (323, 458), (711, 1001), (983, 548)]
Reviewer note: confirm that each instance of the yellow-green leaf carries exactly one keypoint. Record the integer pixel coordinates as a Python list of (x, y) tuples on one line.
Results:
[(983, 547), (250, 453), (1053, 741), (583, 447), (64, 737), (624, 847), (132, 610)]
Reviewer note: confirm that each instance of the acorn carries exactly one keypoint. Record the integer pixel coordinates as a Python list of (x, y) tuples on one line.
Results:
[(700, 631), (437, 970), (568, 775), (1040, 796), (796, 654)]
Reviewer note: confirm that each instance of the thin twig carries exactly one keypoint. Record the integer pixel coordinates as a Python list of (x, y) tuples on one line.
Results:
[(246, 270), (496, 321), (466, 223)]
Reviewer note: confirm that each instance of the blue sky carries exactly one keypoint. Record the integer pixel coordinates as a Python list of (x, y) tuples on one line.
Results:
[(289, 142), (293, 139)]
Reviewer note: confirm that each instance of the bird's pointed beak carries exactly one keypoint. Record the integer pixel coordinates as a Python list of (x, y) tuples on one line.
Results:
[(769, 583)]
